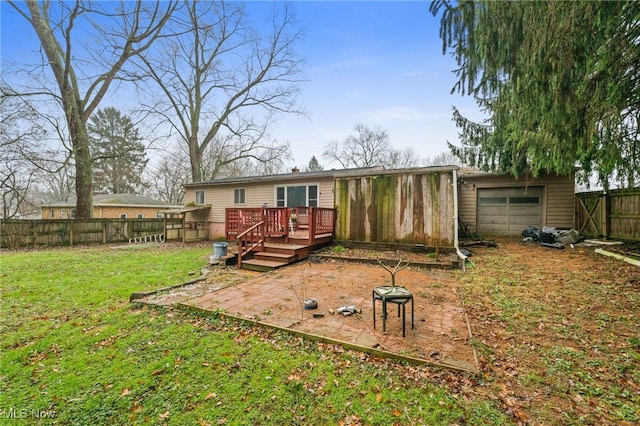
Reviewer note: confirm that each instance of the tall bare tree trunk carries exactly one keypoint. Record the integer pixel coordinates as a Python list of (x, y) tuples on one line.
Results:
[(122, 32)]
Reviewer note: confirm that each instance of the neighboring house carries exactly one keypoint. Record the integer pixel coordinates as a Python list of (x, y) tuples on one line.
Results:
[(490, 203), (416, 206), (109, 206)]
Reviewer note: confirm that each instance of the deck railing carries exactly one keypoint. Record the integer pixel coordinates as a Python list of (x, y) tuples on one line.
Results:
[(302, 216), (249, 240), (276, 221), (321, 222), (252, 226)]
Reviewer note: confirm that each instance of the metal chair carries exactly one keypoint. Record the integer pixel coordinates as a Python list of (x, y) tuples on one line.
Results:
[(398, 295)]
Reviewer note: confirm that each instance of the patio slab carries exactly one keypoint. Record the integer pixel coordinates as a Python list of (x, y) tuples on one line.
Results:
[(276, 299)]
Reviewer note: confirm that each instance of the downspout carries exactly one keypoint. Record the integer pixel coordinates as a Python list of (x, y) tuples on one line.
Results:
[(456, 244)]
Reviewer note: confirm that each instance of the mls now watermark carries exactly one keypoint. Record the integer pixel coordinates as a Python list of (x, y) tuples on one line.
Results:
[(26, 413)]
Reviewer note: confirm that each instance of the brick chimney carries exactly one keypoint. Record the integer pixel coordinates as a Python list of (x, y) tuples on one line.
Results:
[(295, 170)]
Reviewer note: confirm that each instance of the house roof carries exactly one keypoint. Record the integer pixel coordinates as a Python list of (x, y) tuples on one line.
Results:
[(472, 172), (333, 173), (103, 200), (182, 210)]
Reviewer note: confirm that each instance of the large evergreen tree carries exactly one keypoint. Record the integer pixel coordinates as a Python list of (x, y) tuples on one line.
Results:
[(314, 165), (559, 81), (118, 152)]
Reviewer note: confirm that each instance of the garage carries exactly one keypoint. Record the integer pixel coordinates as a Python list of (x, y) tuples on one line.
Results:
[(509, 210)]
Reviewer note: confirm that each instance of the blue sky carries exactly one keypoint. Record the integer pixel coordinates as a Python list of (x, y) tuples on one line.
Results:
[(378, 63)]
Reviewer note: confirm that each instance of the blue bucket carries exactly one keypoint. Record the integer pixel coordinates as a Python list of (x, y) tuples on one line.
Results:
[(220, 250)]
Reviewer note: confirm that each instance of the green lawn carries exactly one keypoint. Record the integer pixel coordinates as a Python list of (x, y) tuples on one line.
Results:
[(75, 351)]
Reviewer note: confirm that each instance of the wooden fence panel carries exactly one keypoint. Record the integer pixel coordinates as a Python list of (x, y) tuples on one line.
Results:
[(57, 232), (412, 208), (615, 214)]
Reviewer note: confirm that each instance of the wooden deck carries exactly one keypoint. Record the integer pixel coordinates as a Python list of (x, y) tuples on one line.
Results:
[(270, 238)]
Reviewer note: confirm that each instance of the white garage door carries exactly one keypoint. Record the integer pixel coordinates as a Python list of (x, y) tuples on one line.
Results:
[(509, 210)]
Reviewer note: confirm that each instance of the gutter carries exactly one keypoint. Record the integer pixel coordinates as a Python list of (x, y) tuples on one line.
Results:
[(456, 244)]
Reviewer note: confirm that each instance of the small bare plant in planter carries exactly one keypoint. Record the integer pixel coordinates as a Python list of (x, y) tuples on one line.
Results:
[(399, 267), (300, 292)]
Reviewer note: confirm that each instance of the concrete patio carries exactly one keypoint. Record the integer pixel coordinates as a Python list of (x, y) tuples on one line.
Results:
[(276, 299)]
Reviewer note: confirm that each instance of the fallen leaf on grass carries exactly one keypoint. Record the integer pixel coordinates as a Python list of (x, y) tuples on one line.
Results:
[(125, 392), (164, 415), (378, 398), (210, 395), (293, 378), (520, 414)]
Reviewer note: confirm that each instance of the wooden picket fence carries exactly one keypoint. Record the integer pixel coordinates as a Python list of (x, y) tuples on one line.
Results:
[(61, 232), (615, 214)]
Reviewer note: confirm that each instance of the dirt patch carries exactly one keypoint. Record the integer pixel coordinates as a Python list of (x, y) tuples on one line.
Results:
[(557, 331), (372, 253), (214, 279)]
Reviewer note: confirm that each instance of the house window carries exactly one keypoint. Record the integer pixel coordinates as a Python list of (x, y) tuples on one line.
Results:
[(313, 196), (123, 215), (240, 196), (280, 196), (159, 215), (52, 213), (297, 195), (140, 215), (64, 214), (200, 197), (73, 213)]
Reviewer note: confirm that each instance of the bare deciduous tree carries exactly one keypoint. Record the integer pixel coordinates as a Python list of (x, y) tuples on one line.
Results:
[(403, 158), (224, 83), (443, 159), (84, 68), (168, 175), (368, 148), (19, 133)]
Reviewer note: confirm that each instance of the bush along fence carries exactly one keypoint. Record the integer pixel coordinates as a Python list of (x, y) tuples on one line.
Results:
[(615, 214), (60, 232)]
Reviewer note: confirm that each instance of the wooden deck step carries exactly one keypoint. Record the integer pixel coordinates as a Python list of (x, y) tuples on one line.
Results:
[(283, 248), (262, 265), (276, 257)]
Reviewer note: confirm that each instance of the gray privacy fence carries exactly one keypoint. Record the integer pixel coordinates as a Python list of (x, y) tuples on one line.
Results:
[(57, 232), (615, 214)]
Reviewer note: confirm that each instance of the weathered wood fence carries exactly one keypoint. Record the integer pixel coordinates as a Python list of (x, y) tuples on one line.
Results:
[(56, 232), (392, 207), (615, 214)]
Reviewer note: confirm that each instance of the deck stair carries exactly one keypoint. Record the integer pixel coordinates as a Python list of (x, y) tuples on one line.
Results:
[(276, 256)]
